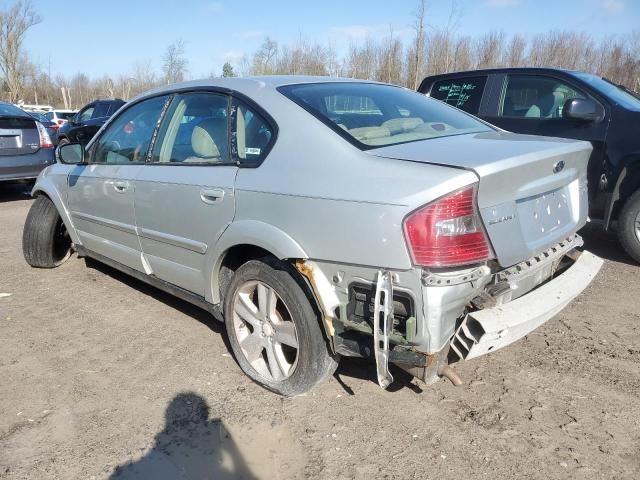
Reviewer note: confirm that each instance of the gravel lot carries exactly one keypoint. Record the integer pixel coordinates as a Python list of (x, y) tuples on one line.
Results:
[(102, 376)]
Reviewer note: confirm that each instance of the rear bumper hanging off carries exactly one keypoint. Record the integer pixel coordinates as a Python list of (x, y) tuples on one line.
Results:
[(487, 330)]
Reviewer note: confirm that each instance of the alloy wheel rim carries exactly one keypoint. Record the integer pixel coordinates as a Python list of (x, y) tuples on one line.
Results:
[(637, 225), (265, 331)]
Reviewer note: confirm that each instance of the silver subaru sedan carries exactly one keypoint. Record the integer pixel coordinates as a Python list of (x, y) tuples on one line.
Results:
[(324, 218)]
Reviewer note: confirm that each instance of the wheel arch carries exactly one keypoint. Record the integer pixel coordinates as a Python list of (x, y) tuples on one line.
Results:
[(46, 187), (248, 240), (628, 183)]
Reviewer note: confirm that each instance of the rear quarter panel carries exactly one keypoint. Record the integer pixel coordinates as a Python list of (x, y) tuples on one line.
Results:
[(338, 203)]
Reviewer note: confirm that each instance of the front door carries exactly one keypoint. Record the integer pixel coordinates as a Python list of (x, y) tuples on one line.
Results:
[(185, 196), (533, 104), (101, 193)]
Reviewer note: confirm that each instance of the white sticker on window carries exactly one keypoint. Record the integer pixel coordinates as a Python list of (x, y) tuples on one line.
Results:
[(252, 151)]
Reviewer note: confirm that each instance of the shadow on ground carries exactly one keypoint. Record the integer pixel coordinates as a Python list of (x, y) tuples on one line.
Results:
[(12, 192), (190, 446), (604, 244)]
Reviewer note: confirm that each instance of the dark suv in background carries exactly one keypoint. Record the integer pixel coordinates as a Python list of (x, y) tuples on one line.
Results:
[(568, 104), (85, 124)]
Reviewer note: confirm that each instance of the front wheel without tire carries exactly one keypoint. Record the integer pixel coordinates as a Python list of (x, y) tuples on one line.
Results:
[(629, 226), (45, 240), (274, 331)]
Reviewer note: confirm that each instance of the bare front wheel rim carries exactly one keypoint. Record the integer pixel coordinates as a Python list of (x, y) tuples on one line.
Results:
[(265, 331)]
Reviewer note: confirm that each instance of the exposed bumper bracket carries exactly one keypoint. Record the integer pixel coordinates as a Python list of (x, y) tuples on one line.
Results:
[(487, 330), (383, 326)]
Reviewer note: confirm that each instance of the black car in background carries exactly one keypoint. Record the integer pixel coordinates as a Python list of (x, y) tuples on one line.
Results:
[(85, 124), (567, 104)]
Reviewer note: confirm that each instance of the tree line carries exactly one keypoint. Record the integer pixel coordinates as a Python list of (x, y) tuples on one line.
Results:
[(431, 49)]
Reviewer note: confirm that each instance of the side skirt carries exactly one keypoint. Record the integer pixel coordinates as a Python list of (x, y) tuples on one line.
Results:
[(156, 282)]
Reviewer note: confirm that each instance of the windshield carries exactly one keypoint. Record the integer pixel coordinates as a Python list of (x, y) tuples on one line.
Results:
[(373, 115), (611, 91), (11, 110), (65, 115)]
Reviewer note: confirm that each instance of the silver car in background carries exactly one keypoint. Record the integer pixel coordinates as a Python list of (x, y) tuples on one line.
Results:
[(321, 218), (25, 145)]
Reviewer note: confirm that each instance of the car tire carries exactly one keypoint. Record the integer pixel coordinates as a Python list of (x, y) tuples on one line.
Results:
[(45, 241), (268, 362), (629, 226)]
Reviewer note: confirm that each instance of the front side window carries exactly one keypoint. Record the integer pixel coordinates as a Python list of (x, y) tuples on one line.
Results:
[(252, 134), (195, 131), (127, 139), (462, 93), (374, 115), (531, 96)]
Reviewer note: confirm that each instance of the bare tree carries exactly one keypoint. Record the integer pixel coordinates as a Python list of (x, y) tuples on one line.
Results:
[(174, 62), (416, 52), (264, 58), (14, 23)]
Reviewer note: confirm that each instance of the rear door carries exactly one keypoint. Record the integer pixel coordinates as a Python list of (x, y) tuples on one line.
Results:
[(532, 104), (101, 193), (184, 197)]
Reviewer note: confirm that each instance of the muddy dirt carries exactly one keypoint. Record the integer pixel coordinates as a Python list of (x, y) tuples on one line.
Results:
[(102, 376)]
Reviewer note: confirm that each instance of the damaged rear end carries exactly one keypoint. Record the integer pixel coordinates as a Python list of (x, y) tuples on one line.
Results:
[(492, 261)]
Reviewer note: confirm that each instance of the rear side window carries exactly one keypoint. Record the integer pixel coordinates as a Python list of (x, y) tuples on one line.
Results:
[(535, 96), (462, 93), (252, 135)]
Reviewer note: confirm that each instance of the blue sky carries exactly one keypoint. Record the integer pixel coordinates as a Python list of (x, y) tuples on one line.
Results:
[(111, 36)]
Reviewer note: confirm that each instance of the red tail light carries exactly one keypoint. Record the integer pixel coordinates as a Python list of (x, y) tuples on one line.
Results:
[(448, 232), (45, 139)]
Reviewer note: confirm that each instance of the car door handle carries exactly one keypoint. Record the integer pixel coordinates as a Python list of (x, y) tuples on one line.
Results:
[(211, 195), (121, 187)]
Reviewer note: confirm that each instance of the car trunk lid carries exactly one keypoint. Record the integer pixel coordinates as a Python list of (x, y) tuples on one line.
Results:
[(18, 136), (532, 191)]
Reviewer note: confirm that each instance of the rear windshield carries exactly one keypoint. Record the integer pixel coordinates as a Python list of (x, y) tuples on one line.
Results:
[(372, 115), (610, 90), (65, 115), (11, 110)]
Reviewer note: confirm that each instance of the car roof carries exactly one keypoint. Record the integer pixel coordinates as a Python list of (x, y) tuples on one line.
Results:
[(249, 84), (486, 71)]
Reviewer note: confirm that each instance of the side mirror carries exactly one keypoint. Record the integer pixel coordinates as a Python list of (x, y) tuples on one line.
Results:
[(70, 154), (583, 109)]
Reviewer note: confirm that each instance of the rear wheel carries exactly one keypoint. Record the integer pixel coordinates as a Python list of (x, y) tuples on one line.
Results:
[(274, 331), (629, 226), (45, 240)]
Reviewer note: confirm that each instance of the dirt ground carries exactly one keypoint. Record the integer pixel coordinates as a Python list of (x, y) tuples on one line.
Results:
[(102, 376)]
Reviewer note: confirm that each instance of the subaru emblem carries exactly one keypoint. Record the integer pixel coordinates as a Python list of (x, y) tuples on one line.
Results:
[(558, 167)]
